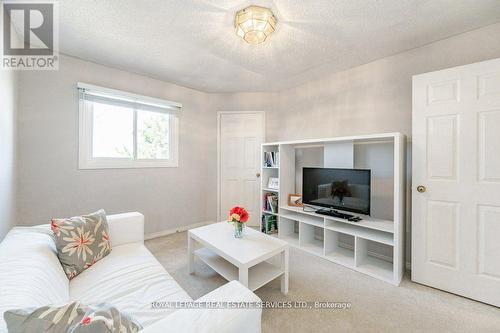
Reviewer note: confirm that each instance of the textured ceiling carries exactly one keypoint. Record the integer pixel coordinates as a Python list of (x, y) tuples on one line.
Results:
[(192, 43)]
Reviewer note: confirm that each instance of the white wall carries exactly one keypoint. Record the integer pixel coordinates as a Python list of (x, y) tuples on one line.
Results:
[(50, 183), (375, 97), (372, 98), (8, 99)]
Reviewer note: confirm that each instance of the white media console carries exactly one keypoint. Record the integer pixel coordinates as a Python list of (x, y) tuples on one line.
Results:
[(374, 245)]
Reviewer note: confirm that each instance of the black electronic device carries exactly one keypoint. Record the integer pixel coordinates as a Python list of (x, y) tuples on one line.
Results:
[(343, 189), (334, 213)]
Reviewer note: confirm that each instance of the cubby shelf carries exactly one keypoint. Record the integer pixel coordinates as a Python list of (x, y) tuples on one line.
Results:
[(315, 246), (366, 222), (291, 239), (303, 218), (330, 248), (342, 256), (337, 240), (374, 235), (377, 268)]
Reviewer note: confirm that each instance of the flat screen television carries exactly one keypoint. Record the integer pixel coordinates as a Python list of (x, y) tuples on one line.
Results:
[(344, 189)]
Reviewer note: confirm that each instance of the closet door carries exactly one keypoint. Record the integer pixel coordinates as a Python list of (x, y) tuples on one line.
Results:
[(456, 180), (240, 135)]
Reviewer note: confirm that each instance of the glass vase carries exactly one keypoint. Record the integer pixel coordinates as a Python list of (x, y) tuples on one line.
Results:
[(238, 229)]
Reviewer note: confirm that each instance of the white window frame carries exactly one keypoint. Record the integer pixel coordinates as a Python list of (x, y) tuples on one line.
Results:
[(86, 160)]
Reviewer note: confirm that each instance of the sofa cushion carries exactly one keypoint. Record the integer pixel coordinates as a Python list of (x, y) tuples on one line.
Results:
[(131, 279), (73, 317), (81, 241), (31, 275)]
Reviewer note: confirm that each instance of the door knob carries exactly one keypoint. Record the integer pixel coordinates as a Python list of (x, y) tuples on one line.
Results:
[(421, 189), (257, 174)]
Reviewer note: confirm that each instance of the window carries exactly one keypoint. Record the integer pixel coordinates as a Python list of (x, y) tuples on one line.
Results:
[(123, 130)]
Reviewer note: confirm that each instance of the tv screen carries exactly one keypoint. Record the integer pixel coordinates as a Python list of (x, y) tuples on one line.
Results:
[(345, 189)]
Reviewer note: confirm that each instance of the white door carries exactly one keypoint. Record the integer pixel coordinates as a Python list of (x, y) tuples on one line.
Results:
[(240, 137), (456, 160)]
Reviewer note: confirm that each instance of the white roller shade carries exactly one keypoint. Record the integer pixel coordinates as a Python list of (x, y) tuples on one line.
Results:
[(94, 93)]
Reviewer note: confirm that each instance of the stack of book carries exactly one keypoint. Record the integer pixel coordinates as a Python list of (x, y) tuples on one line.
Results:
[(270, 203), (269, 224), (271, 159)]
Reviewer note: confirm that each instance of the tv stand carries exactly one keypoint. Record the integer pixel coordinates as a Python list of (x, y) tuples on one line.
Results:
[(335, 213), (373, 245)]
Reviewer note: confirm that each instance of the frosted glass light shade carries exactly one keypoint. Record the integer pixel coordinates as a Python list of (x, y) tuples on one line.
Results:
[(254, 24)]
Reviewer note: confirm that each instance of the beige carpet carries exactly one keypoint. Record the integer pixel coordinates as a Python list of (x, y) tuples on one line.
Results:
[(376, 306)]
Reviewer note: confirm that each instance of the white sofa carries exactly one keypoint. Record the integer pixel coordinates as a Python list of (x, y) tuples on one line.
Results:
[(130, 278)]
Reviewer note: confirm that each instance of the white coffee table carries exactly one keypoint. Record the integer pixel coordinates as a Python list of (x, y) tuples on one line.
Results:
[(245, 259)]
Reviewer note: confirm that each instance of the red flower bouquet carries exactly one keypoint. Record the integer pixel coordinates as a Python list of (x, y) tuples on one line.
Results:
[(238, 216)]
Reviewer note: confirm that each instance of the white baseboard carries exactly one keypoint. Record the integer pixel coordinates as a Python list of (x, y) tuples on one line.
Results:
[(175, 230)]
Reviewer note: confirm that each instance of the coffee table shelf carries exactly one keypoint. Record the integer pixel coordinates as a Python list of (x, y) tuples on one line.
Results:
[(250, 260), (258, 275)]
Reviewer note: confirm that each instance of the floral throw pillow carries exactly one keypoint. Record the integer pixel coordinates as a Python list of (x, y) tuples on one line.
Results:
[(81, 241), (70, 318)]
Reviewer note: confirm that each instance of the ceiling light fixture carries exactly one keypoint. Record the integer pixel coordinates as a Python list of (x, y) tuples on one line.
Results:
[(254, 24)]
